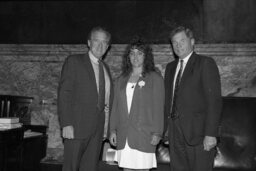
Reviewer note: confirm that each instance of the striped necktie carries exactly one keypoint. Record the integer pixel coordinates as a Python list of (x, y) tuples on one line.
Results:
[(101, 93), (174, 113)]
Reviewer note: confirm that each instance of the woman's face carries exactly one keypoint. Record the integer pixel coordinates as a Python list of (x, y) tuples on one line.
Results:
[(136, 58)]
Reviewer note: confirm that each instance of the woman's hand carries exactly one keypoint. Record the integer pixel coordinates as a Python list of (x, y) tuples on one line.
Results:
[(112, 138), (155, 139)]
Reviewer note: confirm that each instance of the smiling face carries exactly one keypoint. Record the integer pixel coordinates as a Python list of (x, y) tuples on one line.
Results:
[(98, 43), (182, 44), (137, 58)]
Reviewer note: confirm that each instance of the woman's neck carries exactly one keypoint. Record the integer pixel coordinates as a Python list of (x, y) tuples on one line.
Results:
[(137, 71), (135, 75)]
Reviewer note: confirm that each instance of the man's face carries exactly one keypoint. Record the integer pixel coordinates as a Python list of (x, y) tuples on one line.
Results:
[(98, 44), (182, 45), (136, 58)]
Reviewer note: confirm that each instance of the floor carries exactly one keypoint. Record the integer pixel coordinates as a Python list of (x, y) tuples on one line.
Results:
[(55, 166)]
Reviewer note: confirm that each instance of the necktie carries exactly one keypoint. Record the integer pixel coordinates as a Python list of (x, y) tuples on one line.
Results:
[(101, 93), (176, 88)]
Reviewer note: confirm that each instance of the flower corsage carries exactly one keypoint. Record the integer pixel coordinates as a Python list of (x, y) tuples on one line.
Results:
[(141, 83)]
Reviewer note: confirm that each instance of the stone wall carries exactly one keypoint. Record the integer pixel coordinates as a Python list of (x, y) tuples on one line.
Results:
[(34, 70)]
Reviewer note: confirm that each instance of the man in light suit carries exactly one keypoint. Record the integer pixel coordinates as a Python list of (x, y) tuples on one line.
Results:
[(83, 97), (192, 106)]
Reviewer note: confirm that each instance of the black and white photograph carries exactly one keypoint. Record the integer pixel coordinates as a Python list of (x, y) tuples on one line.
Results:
[(128, 85)]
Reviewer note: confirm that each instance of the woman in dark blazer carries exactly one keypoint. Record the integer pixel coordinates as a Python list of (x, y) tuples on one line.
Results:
[(136, 121)]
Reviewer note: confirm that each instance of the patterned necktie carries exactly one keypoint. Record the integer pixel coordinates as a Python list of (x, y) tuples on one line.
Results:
[(177, 83), (101, 93)]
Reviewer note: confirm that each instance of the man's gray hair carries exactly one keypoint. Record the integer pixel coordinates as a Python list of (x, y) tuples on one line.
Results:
[(100, 29)]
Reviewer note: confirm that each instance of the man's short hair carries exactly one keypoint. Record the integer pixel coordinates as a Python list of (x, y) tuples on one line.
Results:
[(179, 29), (100, 29)]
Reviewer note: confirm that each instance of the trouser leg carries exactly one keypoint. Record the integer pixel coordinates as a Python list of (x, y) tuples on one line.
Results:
[(178, 153)]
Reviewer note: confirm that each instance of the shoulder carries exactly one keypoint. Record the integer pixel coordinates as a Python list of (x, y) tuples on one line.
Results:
[(207, 63), (76, 57), (171, 64), (204, 58), (155, 76)]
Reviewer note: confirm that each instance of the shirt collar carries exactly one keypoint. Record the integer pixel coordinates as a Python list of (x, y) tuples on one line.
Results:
[(93, 58), (185, 60)]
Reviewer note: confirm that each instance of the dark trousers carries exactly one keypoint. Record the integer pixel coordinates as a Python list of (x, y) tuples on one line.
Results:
[(83, 154), (185, 157)]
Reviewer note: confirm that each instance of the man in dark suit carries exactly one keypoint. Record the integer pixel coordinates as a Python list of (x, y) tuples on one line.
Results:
[(192, 106), (84, 95)]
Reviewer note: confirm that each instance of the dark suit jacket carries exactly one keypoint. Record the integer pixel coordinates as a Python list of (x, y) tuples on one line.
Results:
[(78, 96), (146, 114), (199, 100)]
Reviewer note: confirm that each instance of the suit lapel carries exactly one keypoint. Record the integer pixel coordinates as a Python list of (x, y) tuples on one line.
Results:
[(172, 74), (135, 98), (89, 68), (123, 96), (188, 70)]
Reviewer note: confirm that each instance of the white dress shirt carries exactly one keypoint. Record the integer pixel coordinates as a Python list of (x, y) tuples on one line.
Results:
[(185, 61)]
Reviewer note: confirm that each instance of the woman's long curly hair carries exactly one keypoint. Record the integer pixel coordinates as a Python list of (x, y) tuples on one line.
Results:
[(148, 64)]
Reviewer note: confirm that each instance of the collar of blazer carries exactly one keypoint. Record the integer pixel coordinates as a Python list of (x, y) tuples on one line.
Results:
[(188, 69), (88, 65), (125, 79), (135, 101)]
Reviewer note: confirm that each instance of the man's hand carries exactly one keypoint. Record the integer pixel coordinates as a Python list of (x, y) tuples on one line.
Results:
[(155, 139), (209, 142), (68, 132), (112, 138), (165, 140)]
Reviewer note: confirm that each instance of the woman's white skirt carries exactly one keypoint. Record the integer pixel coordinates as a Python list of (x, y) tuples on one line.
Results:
[(134, 159)]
